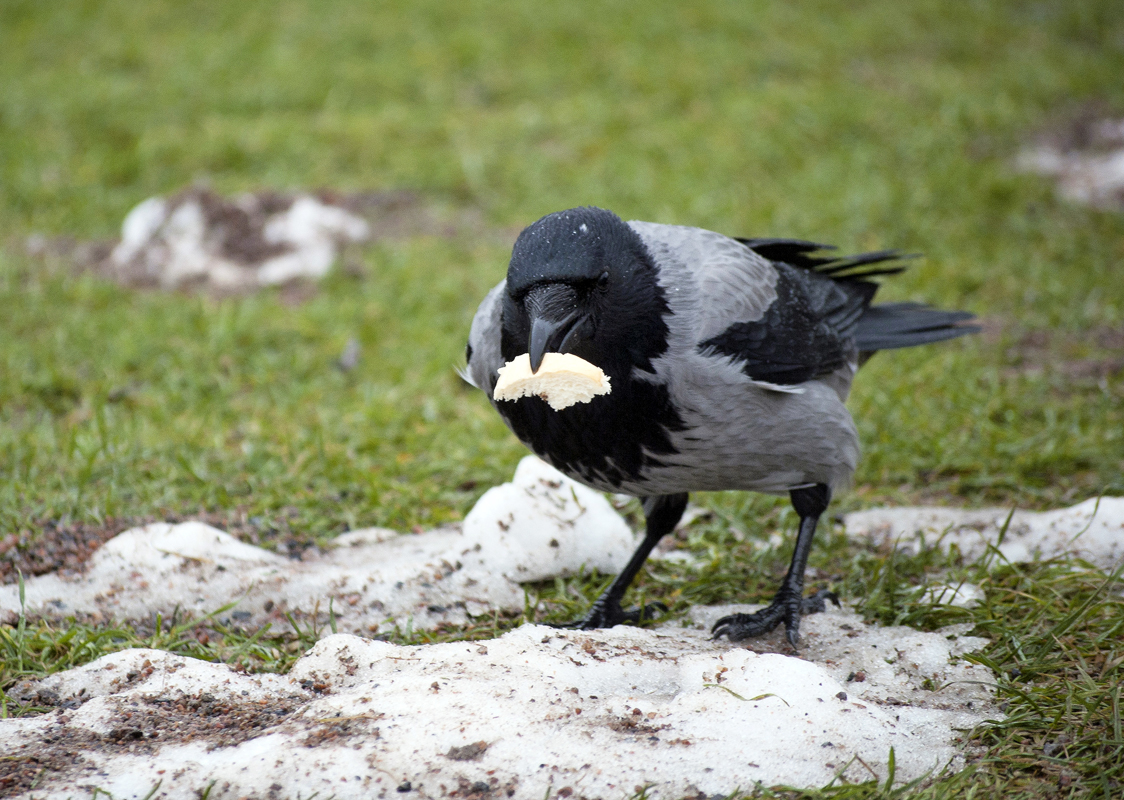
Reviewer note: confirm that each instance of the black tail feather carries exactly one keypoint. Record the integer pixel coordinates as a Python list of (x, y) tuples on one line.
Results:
[(892, 325)]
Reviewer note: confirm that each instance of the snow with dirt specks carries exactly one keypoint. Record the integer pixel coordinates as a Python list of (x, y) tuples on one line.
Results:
[(539, 710)]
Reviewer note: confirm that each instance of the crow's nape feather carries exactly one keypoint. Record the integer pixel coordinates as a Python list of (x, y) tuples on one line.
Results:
[(892, 325)]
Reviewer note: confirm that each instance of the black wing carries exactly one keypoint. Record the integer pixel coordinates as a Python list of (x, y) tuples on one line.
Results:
[(822, 317), (808, 331)]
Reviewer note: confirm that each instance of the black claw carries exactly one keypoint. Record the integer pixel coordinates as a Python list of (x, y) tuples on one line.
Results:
[(645, 613), (814, 603), (606, 615), (738, 627), (792, 632)]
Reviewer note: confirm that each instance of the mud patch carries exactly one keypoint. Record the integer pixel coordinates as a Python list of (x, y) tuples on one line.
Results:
[(30, 764), (1088, 356), (54, 546), (110, 709), (199, 717), (64, 546), (138, 726), (1075, 360)]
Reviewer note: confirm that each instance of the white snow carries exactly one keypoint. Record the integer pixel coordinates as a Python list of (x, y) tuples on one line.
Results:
[(1092, 530), (961, 595), (540, 525), (536, 710), (313, 231), (1095, 179), (1089, 170), (539, 709)]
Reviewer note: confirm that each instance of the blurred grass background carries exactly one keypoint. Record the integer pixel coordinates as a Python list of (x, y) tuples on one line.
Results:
[(865, 124)]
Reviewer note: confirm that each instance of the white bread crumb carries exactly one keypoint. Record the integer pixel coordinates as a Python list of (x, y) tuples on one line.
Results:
[(563, 379)]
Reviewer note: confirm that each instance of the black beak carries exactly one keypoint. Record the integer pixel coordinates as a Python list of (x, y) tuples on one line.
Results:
[(554, 312)]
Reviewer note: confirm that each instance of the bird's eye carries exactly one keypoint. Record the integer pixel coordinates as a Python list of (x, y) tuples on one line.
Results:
[(603, 281)]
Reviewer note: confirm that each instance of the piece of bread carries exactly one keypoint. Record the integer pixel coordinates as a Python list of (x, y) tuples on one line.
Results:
[(563, 379)]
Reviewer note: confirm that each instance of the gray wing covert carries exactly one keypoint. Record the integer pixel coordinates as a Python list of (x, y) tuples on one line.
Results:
[(483, 351), (808, 333), (782, 325), (728, 282)]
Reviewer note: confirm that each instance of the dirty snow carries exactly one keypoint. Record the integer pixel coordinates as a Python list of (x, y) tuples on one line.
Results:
[(592, 714), (1087, 162), (1092, 530), (582, 714), (253, 240), (540, 525)]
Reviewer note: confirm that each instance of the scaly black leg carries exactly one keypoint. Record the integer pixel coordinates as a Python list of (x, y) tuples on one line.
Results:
[(662, 514), (789, 602)]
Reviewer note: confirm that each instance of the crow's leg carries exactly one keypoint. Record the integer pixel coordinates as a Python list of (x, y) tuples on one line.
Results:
[(662, 514), (789, 602)]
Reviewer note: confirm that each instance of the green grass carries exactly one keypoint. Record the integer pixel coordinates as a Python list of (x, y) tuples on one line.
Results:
[(867, 125)]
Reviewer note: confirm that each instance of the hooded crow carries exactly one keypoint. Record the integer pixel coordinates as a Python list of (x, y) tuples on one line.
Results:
[(730, 361)]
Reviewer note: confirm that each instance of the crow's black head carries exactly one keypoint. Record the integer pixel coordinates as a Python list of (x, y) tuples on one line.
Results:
[(582, 282)]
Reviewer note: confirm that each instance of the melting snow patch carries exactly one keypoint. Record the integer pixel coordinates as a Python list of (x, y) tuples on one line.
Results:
[(538, 711), (253, 240), (961, 595), (1092, 530), (1087, 161), (540, 525)]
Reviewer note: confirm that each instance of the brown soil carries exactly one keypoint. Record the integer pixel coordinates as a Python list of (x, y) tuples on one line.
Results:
[(65, 546), (1089, 127), (1079, 356), (468, 752), (54, 547)]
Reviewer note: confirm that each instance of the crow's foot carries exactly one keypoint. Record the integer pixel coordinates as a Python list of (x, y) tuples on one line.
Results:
[(607, 614), (786, 607)]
